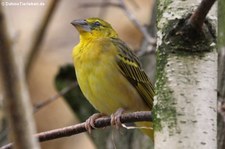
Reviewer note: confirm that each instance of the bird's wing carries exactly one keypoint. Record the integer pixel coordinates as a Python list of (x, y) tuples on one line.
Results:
[(132, 70)]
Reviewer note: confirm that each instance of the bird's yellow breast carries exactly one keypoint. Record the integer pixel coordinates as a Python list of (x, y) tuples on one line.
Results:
[(100, 79)]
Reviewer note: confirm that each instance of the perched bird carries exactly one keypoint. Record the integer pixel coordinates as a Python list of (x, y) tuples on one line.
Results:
[(108, 72)]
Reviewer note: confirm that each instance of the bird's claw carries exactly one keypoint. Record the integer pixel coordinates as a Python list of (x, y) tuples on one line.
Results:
[(115, 118), (90, 122)]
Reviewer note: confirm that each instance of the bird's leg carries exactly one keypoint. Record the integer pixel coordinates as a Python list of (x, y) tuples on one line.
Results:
[(115, 117), (90, 122)]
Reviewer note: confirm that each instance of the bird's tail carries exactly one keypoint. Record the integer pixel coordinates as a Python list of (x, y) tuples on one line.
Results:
[(146, 128)]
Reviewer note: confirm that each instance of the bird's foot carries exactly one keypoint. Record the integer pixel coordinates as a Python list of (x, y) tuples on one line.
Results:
[(90, 122), (115, 118)]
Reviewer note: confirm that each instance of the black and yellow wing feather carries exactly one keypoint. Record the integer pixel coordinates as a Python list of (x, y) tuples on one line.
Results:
[(132, 70)]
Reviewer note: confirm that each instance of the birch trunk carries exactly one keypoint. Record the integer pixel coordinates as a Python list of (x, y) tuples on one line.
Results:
[(186, 102)]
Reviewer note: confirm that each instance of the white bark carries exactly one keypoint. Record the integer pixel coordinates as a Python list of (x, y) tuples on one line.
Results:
[(191, 81)]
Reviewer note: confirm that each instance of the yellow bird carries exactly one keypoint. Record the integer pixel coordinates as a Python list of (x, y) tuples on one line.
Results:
[(108, 72)]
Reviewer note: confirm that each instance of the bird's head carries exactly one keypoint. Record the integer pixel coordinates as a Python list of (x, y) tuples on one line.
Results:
[(94, 28)]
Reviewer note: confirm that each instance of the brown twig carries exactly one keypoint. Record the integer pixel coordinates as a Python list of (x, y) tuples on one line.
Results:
[(45, 102), (102, 11), (79, 128), (134, 3), (16, 101), (102, 4), (148, 49), (39, 35), (133, 19), (198, 17)]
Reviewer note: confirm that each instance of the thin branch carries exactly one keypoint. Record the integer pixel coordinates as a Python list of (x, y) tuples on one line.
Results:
[(134, 3), (46, 102), (79, 128), (152, 41), (198, 17), (148, 50), (133, 19), (17, 104), (102, 12), (39, 35), (102, 4)]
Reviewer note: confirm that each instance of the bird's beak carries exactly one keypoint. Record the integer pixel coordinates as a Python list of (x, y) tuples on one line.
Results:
[(81, 25)]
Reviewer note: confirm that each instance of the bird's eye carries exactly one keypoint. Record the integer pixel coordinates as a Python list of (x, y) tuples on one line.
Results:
[(97, 23)]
